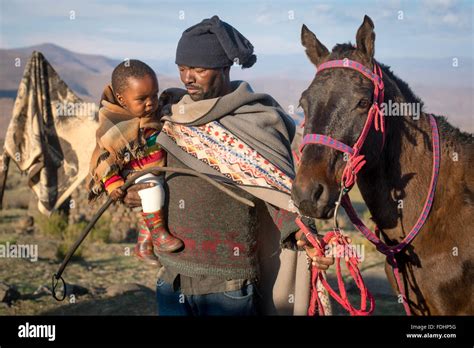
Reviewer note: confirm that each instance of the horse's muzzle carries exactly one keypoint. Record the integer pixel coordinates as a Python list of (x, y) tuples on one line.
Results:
[(313, 200)]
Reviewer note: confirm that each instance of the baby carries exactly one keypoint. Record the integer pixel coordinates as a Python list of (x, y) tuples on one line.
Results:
[(126, 142)]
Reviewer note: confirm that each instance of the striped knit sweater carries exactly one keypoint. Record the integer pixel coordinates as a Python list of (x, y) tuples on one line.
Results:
[(154, 156), (222, 237)]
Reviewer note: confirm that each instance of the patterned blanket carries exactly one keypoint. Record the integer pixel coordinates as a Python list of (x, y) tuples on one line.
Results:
[(243, 138), (221, 150), (51, 134)]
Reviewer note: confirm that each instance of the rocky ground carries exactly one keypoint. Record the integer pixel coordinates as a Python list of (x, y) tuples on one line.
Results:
[(106, 281)]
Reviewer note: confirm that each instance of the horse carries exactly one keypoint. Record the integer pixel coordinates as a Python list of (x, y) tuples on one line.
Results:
[(437, 267)]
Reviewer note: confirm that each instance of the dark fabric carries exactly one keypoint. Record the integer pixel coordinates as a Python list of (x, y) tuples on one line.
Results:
[(285, 222), (214, 44), (170, 301), (219, 233), (241, 302), (202, 285)]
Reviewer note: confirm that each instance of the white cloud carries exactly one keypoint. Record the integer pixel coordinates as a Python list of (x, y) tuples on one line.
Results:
[(450, 18), (450, 13), (275, 45), (322, 8), (265, 18), (440, 5)]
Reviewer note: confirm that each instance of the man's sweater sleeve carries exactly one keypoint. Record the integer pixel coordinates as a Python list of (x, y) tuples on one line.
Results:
[(285, 221)]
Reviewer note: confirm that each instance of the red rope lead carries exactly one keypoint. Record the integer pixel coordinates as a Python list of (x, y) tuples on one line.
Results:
[(337, 239)]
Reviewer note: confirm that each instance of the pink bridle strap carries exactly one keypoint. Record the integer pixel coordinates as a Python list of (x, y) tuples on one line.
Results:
[(327, 141), (390, 251), (375, 116), (352, 64)]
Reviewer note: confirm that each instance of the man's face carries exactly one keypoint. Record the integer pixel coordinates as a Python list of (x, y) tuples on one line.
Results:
[(203, 83), (140, 96)]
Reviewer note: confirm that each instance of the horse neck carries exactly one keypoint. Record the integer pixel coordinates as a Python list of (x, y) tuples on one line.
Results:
[(395, 188)]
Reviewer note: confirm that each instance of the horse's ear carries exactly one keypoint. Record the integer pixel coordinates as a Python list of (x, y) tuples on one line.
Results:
[(315, 50), (365, 38)]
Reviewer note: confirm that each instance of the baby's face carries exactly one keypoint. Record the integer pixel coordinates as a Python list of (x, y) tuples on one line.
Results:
[(140, 97)]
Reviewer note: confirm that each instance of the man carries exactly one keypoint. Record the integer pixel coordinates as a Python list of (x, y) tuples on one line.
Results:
[(232, 263)]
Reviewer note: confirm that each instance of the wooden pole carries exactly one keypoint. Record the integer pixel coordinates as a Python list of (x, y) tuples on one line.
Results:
[(3, 177)]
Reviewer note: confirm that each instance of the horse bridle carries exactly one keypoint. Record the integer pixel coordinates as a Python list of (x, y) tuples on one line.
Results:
[(375, 116), (356, 161)]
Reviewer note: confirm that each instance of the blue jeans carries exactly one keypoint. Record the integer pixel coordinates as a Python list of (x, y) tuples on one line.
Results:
[(236, 303)]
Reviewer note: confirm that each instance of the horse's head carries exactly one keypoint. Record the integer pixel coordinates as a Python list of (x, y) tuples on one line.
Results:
[(335, 104)]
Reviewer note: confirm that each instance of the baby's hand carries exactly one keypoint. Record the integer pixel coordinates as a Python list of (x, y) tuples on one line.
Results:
[(117, 194)]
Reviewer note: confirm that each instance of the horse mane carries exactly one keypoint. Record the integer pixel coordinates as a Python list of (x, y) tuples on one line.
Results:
[(447, 129), (341, 51)]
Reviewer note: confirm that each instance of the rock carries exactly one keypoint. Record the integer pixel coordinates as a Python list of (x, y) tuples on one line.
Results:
[(98, 291), (120, 289), (26, 221), (122, 234), (42, 290), (8, 293), (76, 290), (25, 224)]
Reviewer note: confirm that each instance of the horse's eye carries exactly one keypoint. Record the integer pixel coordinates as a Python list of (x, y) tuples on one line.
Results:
[(363, 103)]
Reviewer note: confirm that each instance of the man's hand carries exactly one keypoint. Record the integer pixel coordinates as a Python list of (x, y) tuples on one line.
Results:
[(321, 262), (132, 199)]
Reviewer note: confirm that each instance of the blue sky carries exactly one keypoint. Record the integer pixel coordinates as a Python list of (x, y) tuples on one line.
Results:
[(151, 29)]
